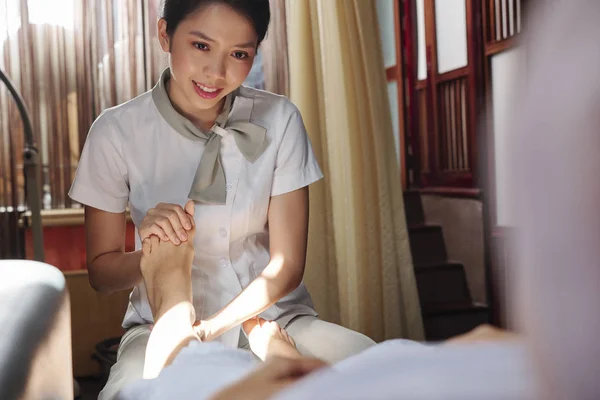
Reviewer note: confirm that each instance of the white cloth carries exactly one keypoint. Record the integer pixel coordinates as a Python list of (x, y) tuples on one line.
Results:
[(130, 361), (313, 337), (133, 156), (199, 371), (404, 370), (394, 370)]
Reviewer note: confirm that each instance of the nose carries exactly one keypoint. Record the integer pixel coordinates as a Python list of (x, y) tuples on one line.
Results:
[(216, 68)]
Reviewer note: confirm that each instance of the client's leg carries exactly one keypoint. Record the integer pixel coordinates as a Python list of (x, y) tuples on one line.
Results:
[(267, 339), (329, 342), (166, 270)]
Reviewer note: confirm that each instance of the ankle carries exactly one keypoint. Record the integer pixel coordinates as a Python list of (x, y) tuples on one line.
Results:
[(179, 309)]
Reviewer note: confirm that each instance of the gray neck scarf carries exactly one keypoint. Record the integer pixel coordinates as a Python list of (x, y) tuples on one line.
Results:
[(209, 181)]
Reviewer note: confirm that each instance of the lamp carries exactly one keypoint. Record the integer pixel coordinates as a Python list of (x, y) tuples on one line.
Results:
[(30, 171)]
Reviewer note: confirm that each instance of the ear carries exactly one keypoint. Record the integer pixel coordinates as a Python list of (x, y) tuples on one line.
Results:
[(163, 36)]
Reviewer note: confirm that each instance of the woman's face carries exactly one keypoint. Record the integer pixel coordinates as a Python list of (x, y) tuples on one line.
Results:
[(212, 51)]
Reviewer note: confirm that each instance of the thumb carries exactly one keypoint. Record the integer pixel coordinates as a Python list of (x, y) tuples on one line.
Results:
[(190, 207)]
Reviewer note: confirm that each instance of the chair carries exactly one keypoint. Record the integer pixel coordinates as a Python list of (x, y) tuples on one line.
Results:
[(35, 344)]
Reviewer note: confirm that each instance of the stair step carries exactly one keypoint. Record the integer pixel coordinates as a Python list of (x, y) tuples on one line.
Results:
[(442, 284), (453, 320), (413, 207), (427, 245)]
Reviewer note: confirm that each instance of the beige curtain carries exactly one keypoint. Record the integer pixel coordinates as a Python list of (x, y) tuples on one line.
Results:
[(359, 267), (70, 59)]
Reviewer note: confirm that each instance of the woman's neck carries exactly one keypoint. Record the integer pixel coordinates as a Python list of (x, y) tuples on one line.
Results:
[(202, 119)]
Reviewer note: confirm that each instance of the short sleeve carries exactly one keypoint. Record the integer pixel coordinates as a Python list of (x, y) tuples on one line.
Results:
[(296, 165), (101, 180)]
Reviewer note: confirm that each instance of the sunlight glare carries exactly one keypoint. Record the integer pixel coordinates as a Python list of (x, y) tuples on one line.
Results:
[(10, 23), (57, 12)]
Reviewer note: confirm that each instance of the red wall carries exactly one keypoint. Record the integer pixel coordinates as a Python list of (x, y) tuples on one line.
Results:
[(64, 246)]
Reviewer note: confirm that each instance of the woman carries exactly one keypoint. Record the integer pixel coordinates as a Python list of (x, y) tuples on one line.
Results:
[(201, 149)]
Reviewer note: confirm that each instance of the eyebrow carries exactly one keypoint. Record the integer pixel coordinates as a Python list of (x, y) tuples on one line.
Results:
[(248, 45)]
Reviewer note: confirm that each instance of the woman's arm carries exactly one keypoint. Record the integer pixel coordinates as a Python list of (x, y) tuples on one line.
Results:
[(110, 268), (288, 231)]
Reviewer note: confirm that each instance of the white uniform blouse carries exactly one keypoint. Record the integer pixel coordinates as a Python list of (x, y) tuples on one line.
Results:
[(132, 156)]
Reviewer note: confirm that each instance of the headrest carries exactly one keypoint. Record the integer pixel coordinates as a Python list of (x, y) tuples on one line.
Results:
[(31, 295)]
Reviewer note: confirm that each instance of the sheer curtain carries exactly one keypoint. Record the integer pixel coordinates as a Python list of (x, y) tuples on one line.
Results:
[(275, 51), (70, 59), (359, 267)]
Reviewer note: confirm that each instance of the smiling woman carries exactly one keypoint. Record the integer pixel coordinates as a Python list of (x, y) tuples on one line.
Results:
[(70, 60), (201, 159), (207, 67)]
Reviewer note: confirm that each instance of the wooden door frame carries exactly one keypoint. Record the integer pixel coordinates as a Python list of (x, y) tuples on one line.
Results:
[(397, 73)]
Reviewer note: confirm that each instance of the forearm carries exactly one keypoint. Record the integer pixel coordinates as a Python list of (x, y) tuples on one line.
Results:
[(115, 271), (276, 281)]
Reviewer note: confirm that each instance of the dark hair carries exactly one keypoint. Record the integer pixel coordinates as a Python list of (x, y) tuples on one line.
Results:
[(257, 12)]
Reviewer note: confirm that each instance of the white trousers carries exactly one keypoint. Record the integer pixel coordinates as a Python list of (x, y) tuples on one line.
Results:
[(313, 337)]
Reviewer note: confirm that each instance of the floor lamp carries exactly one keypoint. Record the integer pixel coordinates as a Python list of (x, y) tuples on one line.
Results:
[(31, 171)]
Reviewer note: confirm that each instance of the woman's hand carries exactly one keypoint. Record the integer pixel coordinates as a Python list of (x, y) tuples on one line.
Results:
[(169, 222), (206, 330)]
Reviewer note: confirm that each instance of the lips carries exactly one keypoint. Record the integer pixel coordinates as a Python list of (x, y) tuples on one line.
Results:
[(207, 92)]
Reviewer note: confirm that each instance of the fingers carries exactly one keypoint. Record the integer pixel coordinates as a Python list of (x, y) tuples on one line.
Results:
[(190, 207), (166, 225), (147, 232), (170, 222), (180, 215)]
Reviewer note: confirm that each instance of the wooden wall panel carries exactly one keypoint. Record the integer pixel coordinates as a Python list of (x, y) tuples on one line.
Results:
[(94, 317), (64, 246)]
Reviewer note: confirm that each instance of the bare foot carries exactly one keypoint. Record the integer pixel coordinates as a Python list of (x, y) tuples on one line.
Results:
[(267, 339), (167, 269), (167, 272)]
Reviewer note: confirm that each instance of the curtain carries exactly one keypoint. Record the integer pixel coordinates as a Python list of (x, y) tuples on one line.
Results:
[(359, 265), (275, 51), (70, 59)]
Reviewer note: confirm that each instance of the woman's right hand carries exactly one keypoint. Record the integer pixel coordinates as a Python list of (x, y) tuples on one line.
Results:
[(169, 222)]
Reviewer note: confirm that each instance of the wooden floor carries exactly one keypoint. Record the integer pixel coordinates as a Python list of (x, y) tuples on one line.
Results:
[(90, 388)]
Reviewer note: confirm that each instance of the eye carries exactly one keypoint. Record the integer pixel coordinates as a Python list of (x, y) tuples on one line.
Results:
[(240, 55), (200, 46)]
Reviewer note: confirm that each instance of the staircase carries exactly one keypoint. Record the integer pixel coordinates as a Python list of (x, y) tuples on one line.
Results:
[(446, 303)]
